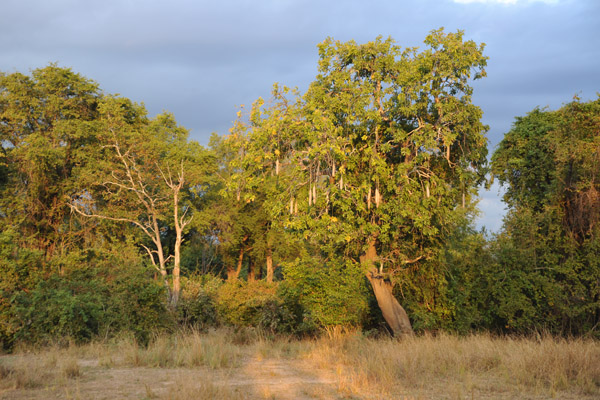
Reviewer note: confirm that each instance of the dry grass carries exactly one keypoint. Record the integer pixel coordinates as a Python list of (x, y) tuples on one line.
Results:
[(32, 371), (474, 364), (226, 364), (204, 389), (214, 350)]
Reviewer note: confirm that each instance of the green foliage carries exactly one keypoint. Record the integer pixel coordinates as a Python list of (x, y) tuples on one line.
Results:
[(384, 144), (467, 260), (540, 279), (545, 272), (197, 305), (445, 291), (136, 304), (332, 293), (523, 160), (94, 295), (260, 304), (61, 308), (551, 159), (383, 152), (21, 269), (245, 227), (44, 136), (378, 161)]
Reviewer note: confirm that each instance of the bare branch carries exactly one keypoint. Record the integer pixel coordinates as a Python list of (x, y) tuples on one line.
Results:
[(150, 253), (413, 260), (132, 221)]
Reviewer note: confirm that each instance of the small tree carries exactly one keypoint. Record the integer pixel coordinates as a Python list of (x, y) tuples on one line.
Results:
[(145, 174), (248, 231)]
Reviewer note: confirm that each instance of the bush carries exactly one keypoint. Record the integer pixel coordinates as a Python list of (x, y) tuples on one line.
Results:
[(61, 308), (333, 294), (95, 299), (20, 269), (262, 305), (197, 304), (136, 304)]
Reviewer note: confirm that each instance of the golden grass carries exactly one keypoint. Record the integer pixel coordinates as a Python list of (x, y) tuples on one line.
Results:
[(213, 349), (49, 367), (441, 366), (481, 363)]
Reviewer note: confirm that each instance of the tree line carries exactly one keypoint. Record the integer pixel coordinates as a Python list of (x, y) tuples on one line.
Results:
[(349, 204)]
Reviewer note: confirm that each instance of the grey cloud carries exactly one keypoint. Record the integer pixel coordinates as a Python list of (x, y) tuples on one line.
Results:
[(202, 59)]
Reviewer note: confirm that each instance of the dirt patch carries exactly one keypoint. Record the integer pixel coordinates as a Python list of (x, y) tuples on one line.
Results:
[(286, 379)]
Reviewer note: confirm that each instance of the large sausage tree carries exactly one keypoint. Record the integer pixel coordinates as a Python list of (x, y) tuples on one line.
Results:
[(375, 161)]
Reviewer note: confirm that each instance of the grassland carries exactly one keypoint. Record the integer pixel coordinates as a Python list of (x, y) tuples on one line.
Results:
[(224, 364)]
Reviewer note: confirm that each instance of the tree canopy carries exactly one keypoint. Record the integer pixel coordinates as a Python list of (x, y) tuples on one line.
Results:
[(548, 250)]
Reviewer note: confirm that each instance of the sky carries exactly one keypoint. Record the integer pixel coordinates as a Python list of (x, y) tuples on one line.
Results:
[(202, 60)]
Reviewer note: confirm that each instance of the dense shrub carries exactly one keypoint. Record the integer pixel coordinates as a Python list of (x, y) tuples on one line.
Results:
[(260, 304), (444, 292), (20, 268), (136, 304), (331, 294), (197, 304), (60, 307), (81, 296)]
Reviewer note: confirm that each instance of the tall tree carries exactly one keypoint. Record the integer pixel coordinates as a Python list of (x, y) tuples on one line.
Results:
[(44, 121), (552, 159), (372, 162), (548, 251)]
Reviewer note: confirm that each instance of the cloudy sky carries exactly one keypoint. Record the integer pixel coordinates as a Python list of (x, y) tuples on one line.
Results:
[(201, 60)]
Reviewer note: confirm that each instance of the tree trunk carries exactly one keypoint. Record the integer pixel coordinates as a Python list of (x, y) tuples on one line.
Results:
[(392, 311), (233, 274), (176, 268), (269, 265), (179, 225), (258, 272), (251, 272), (162, 267)]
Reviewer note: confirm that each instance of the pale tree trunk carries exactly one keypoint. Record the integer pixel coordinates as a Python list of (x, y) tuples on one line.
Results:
[(180, 223), (176, 255), (162, 268), (269, 270), (393, 313), (269, 265)]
